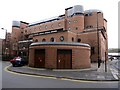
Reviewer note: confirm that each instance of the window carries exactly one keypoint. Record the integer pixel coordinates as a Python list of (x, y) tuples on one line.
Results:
[(36, 40), (52, 39), (69, 28), (22, 28), (61, 38), (46, 27), (59, 24), (92, 50), (34, 28), (72, 39), (76, 28), (88, 14), (79, 40), (44, 40), (69, 22), (52, 25), (90, 26), (25, 31), (75, 21), (78, 14), (40, 28)]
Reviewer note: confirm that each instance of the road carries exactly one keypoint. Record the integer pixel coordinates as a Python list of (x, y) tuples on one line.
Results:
[(116, 64), (115, 68), (11, 80)]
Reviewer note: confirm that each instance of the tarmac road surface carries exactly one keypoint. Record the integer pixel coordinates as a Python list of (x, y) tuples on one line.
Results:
[(11, 80)]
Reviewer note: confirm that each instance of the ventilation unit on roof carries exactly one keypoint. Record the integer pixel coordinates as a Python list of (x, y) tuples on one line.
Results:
[(70, 12), (16, 23), (75, 9), (78, 9)]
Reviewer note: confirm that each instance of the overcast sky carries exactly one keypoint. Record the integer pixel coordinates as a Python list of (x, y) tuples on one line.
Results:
[(35, 10)]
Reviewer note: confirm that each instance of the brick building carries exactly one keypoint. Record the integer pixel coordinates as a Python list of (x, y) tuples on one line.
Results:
[(0, 49), (72, 40), (7, 47)]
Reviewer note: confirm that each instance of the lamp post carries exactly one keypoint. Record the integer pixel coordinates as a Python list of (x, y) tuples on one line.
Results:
[(5, 43), (105, 62), (98, 56)]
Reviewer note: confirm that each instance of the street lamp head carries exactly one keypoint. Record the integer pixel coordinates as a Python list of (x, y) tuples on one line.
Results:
[(4, 29)]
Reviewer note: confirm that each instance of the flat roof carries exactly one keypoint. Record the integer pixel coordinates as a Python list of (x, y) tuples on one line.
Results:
[(92, 10), (60, 43), (25, 41)]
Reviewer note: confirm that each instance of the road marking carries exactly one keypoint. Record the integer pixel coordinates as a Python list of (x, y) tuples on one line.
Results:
[(79, 80), (6, 69), (85, 81), (114, 73), (51, 77)]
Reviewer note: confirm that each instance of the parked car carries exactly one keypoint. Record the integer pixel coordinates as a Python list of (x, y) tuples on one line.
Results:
[(18, 61)]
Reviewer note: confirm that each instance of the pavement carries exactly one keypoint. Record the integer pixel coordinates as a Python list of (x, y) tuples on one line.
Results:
[(90, 74)]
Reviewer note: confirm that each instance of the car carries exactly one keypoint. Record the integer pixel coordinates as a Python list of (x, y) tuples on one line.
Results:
[(18, 61)]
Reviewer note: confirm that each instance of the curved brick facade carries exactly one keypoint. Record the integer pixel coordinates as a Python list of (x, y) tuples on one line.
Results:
[(79, 55)]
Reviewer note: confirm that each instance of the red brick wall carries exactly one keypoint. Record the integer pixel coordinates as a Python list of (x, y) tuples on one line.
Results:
[(81, 58), (50, 57), (56, 36), (92, 20), (31, 57), (80, 55), (77, 25), (75, 22), (91, 39), (42, 27)]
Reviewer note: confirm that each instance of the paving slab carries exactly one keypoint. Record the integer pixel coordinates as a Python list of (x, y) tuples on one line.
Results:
[(92, 74)]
